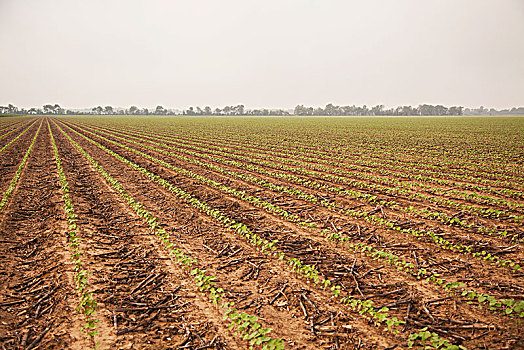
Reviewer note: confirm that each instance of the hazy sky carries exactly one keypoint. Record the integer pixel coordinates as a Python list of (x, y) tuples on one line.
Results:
[(261, 53)]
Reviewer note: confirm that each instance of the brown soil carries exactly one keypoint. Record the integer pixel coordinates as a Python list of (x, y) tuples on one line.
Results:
[(145, 300)]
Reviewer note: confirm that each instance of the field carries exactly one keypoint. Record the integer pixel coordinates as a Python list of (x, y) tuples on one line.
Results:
[(295, 233)]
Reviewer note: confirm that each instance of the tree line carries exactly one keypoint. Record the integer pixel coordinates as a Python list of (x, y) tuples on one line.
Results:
[(300, 110), (332, 110), (233, 110)]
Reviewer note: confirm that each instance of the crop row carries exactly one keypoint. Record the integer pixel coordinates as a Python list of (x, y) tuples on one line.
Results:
[(370, 217), (246, 325), (366, 308), (10, 131), (389, 169), (16, 138), (381, 163), (353, 173), (8, 125), (18, 173), (380, 149), (509, 306), (361, 149), (87, 304), (293, 172), (447, 219)]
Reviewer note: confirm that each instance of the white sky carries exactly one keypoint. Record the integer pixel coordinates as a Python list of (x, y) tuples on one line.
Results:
[(261, 53)]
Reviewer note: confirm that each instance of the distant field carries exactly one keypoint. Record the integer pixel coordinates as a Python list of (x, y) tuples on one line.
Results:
[(296, 233)]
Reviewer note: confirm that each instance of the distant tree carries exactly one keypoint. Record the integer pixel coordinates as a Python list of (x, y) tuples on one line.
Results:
[(12, 109), (347, 110), (440, 110), (377, 110), (57, 109), (190, 111), (330, 110), (160, 110), (48, 109), (406, 110), (240, 110), (517, 110), (459, 110), (300, 110), (97, 110), (318, 111), (333, 110), (425, 110), (133, 110)]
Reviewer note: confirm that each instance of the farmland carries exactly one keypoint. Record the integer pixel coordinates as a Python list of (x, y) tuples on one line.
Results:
[(295, 233)]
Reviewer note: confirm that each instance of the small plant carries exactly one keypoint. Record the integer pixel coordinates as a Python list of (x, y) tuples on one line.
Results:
[(18, 173), (247, 326), (87, 305), (430, 340)]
